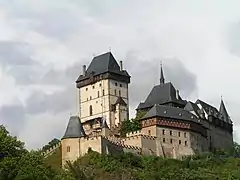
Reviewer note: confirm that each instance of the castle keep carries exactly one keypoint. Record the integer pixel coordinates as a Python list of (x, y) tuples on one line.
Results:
[(171, 126)]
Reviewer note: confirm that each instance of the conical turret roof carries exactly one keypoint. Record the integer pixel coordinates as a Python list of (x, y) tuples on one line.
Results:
[(224, 113), (74, 128)]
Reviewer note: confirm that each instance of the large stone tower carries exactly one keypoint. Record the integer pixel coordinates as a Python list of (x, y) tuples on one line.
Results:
[(103, 91)]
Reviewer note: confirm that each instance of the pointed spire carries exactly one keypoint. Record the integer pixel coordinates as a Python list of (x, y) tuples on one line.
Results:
[(162, 80), (223, 112), (104, 123)]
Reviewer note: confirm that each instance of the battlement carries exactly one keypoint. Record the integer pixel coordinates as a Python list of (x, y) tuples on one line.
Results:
[(89, 138), (137, 136), (120, 144), (51, 149), (133, 133)]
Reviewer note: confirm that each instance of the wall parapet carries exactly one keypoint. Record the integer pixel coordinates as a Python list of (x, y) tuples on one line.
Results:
[(51, 149), (136, 136)]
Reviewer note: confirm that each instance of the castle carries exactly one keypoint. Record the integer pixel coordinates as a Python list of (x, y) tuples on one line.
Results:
[(171, 127)]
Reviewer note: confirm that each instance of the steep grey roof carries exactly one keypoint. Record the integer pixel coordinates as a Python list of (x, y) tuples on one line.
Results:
[(224, 113), (210, 110), (74, 128), (170, 112), (161, 94), (120, 101), (190, 106), (105, 63)]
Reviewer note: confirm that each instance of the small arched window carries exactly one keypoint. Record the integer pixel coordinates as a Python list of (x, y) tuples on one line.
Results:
[(90, 110), (103, 92)]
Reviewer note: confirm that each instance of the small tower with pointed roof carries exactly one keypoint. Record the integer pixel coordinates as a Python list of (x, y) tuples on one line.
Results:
[(70, 142)]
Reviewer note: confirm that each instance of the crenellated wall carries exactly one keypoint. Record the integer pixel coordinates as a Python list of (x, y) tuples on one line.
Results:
[(51, 150)]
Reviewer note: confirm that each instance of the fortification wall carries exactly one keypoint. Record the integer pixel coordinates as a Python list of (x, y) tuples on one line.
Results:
[(51, 150), (95, 143), (226, 139)]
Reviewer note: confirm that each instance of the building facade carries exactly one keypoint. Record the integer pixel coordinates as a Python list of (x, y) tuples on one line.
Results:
[(171, 126)]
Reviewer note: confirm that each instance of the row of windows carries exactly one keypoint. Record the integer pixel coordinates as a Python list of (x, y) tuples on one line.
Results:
[(171, 141), (98, 94), (170, 133), (100, 85)]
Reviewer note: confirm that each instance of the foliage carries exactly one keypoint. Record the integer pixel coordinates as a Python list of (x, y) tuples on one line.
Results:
[(20, 164), (133, 124), (128, 166), (54, 159)]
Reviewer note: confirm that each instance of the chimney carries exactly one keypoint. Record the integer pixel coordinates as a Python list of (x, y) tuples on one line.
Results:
[(84, 70), (121, 65), (177, 94)]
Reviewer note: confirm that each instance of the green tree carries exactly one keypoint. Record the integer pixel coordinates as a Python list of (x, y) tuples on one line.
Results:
[(133, 124)]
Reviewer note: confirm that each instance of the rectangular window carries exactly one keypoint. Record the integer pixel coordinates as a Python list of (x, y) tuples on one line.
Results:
[(115, 92), (164, 140), (185, 134), (179, 134), (115, 84), (119, 93), (100, 85), (86, 89), (98, 94), (171, 141), (180, 141), (163, 131), (103, 92), (170, 133), (185, 143), (120, 85), (68, 148), (149, 132)]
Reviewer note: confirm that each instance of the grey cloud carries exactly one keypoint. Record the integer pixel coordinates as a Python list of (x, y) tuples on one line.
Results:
[(15, 54), (13, 117), (146, 73), (58, 102)]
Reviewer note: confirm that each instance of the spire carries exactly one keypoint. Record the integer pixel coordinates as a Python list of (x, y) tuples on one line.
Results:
[(104, 123), (162, 80), (223, 111)]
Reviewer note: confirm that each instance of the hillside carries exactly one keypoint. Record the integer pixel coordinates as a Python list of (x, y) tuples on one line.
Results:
[(54, 159)]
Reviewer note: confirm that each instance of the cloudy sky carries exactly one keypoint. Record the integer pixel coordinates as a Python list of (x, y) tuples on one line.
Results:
[(43, 45)]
